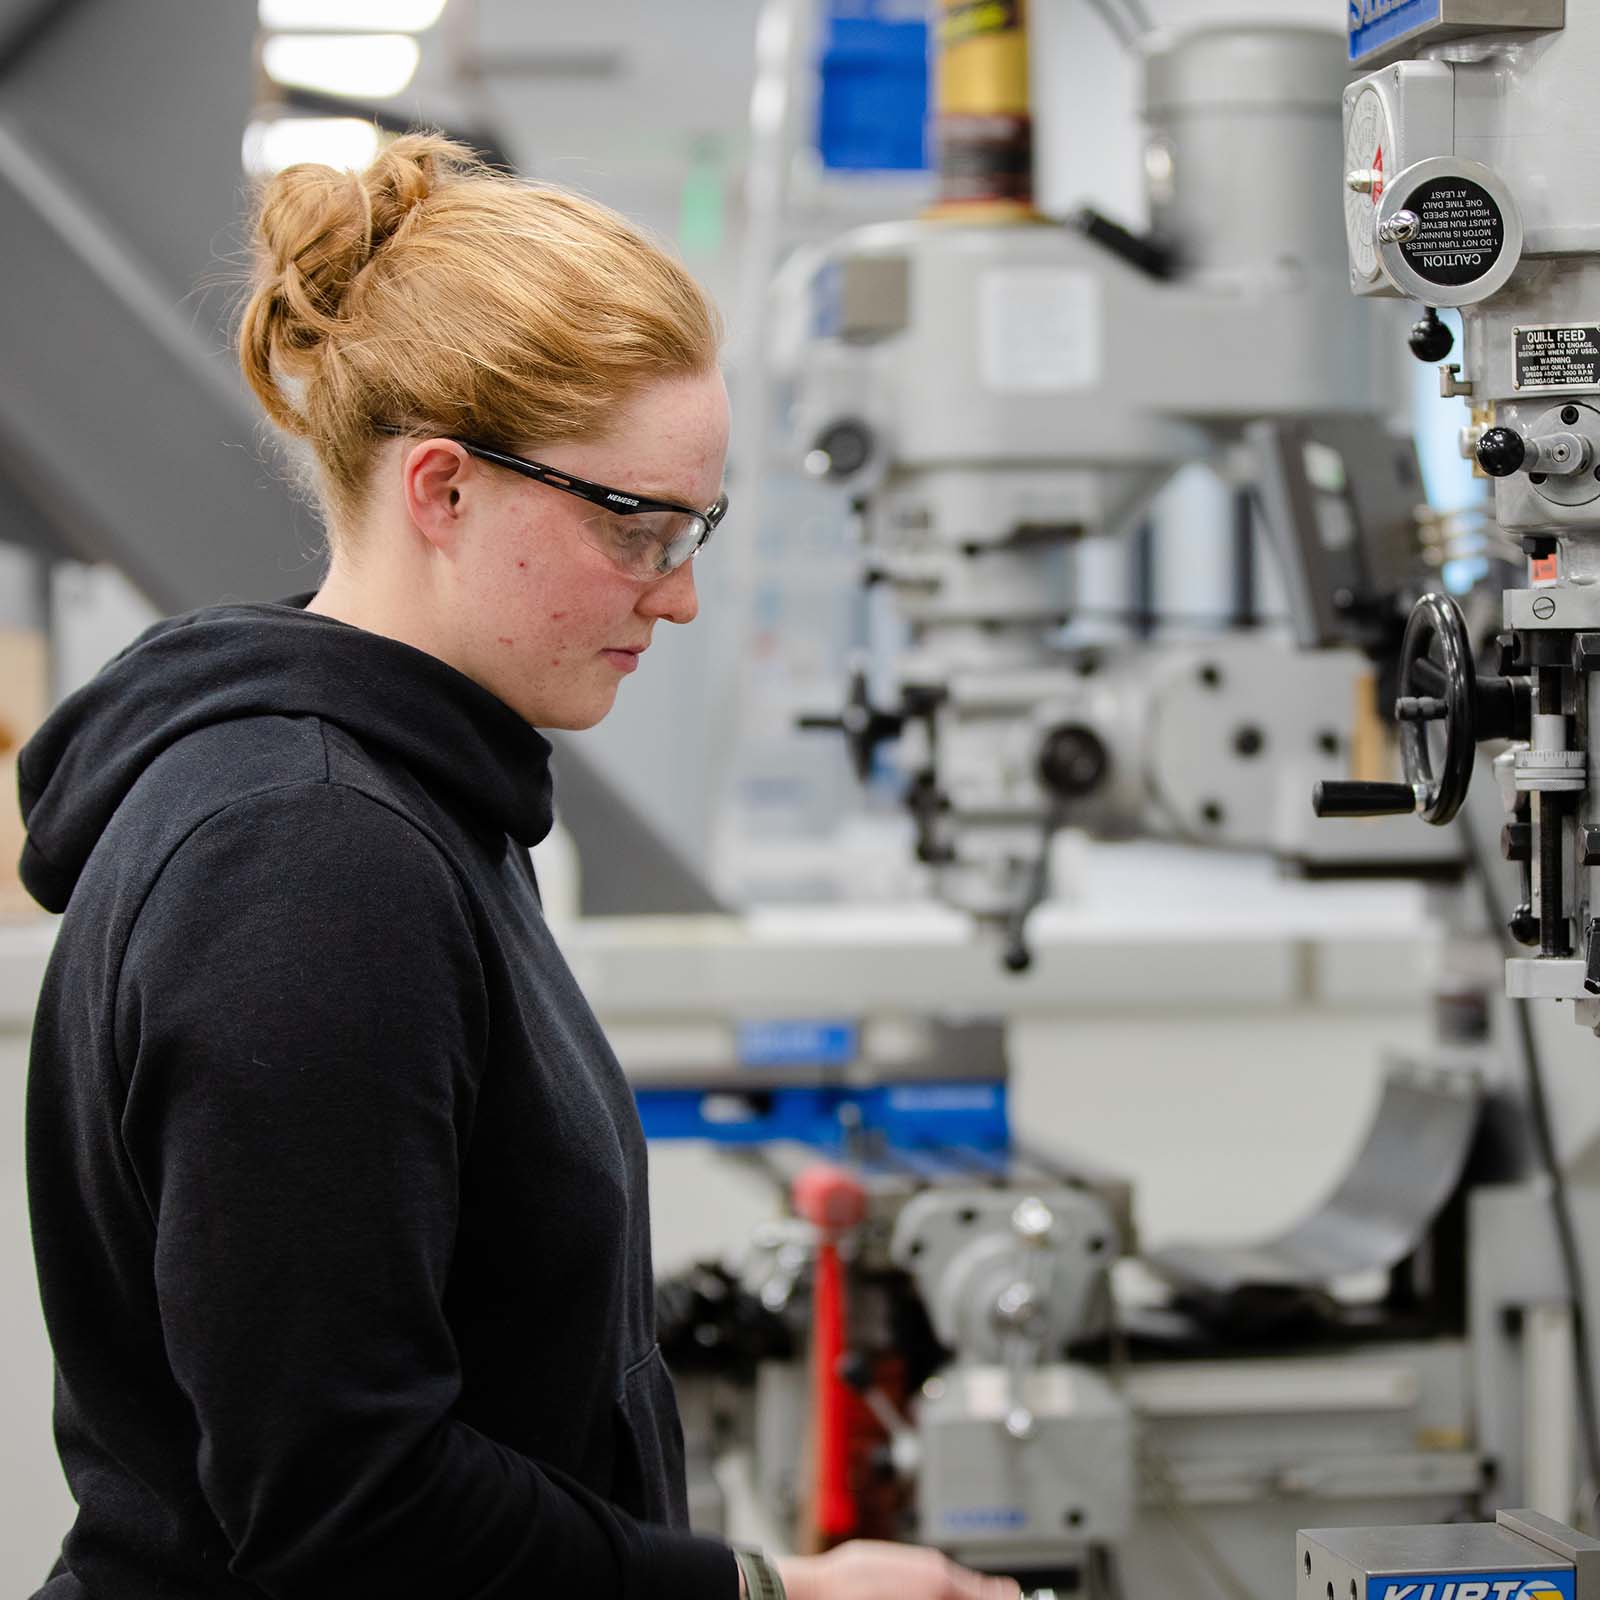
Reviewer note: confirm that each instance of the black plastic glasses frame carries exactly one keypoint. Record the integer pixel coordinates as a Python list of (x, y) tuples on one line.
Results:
[(617, 501)]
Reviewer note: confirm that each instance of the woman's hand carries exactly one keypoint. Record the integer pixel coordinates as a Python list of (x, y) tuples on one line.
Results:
[(868, 1570)]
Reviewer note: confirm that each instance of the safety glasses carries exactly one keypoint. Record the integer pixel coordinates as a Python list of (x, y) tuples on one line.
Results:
[(646, 538)]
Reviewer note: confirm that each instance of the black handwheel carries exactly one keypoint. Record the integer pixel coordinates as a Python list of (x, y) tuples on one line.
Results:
[(1438, 683), (864, 725)]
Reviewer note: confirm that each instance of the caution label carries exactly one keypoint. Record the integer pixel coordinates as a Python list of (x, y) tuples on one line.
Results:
[(1559, 357), (1461, 232)]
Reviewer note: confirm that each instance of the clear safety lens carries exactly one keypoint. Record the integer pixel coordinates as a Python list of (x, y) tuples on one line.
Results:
[(648, 545)]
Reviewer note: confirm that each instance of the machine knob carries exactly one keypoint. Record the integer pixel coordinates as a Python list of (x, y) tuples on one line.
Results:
[(1431, 340), (1401, 228), (841, 450), (1338, 798), (1502, 451), (1073, 761)]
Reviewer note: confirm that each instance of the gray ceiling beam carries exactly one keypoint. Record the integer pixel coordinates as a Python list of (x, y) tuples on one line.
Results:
[(23, 23), (115, 411)]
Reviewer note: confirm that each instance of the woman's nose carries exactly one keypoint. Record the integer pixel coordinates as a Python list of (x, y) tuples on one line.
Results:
[(673, 596)]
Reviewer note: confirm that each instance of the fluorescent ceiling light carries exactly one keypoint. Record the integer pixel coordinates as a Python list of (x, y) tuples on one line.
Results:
[(389, 16), (360, 66), (286, 141)]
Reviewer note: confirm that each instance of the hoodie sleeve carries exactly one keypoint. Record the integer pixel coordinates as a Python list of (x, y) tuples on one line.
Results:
[(300, 1018)]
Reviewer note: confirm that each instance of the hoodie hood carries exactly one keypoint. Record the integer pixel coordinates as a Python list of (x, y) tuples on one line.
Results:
[(227, 662)]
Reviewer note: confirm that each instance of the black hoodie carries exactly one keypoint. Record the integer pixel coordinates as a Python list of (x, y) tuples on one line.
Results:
[(338, 1192)]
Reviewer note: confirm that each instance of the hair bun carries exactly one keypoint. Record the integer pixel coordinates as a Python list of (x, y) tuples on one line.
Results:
[(317, 228), (403, 176)]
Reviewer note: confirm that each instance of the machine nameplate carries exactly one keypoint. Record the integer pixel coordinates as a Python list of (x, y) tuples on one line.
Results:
[(1473, 1586), (1386, 30), (1463, 232), (1558, 356)]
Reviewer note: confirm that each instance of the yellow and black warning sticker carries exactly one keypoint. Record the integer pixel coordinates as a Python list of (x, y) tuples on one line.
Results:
[(973, 19)]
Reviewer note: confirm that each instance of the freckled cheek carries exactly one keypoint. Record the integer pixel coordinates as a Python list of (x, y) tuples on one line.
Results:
[(558, 641)]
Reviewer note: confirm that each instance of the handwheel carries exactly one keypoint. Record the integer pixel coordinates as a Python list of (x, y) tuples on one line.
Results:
[(1438, 683)]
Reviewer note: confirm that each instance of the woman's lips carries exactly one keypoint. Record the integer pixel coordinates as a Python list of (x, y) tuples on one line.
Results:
[(622, 660)]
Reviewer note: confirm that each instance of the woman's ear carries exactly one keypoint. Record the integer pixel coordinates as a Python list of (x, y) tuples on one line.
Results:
[(439, 478)]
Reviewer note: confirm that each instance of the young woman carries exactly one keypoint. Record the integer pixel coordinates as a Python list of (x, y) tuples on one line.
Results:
[(338, 1192)]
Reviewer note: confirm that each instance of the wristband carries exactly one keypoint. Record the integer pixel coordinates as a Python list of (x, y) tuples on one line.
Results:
[(761, 1580)]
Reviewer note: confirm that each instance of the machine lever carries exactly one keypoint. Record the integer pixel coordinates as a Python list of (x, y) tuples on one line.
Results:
[(864, 725), (1343, 798)]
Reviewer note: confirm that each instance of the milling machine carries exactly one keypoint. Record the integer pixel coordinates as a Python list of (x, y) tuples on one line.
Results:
[(990, 389), (938, 1322), (1468, 184)]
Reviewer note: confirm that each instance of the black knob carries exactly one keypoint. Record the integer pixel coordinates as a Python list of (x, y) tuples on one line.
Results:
[(1073, 762), (1017, 958), (1339, 798), (1430, 339), (1516, 841), (1524, 926), (1501, 452), (855, 1369), (842, 449)]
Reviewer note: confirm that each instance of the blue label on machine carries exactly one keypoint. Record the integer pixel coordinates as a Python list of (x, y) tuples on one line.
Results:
[(938, 1128), (804, 1043), (1475, 1586), (984, 1519), (921, 1099), (1376, 23)]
